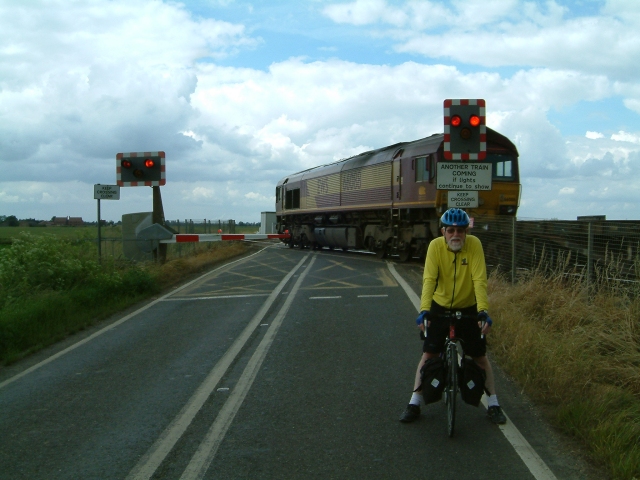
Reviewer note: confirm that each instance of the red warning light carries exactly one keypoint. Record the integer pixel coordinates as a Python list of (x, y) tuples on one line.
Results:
[(149, 163), (474, 120), (126, 163), (455, 121)]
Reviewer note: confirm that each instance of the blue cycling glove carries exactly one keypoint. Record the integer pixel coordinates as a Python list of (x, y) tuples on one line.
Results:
[(484, 317), (424, 315)]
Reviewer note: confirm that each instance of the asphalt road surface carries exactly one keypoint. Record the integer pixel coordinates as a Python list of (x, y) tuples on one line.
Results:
[(284, 364)]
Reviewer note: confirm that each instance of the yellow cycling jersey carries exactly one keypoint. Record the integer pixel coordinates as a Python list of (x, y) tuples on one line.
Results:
[(455, 280)]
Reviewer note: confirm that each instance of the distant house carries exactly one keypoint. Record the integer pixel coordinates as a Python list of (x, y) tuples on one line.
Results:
[(67, 221)]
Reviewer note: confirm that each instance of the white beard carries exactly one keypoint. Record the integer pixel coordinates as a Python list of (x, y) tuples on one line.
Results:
[(455, 244)]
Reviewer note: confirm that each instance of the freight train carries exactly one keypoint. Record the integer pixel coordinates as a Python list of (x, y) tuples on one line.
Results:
[(386, 200)]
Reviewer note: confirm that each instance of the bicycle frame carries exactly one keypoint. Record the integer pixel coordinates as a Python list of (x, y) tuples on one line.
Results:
[(452, 364)]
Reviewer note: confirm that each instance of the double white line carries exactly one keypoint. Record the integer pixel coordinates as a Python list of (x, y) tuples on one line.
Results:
[(201, 460)]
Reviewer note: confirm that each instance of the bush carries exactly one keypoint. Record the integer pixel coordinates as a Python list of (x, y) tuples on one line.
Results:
[(51, 287), (39, 263)]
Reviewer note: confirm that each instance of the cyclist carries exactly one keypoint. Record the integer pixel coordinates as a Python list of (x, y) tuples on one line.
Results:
[(455, 278)]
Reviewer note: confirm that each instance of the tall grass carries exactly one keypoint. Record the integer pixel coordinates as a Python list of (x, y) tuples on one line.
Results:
[(575, 348), (51, 286)]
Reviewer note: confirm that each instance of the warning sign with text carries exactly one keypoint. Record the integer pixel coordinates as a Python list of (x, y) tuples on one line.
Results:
[(463, 176), (459, 199)]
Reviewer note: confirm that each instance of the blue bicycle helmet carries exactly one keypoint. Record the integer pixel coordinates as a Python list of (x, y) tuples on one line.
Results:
[(455, 217)]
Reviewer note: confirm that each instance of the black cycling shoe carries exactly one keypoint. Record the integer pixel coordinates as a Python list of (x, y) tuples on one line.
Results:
[(496, 416), (411, 414)]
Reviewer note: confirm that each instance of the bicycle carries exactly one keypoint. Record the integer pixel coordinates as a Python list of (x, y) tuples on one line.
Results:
[(451, 355)]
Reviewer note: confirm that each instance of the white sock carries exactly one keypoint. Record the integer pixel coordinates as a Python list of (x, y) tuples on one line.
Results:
[(492, 401), (416, 399)]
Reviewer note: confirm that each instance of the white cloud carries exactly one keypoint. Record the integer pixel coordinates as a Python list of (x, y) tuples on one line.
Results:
[(506, 33), (363, 12), (258, 197), (200, 193), (74, 91), (625, 137), (90, 81)]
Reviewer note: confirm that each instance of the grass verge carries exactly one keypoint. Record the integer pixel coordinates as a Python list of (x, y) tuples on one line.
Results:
[(578, 355)]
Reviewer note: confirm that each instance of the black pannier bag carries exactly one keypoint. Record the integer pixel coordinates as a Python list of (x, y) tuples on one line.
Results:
[(432, 380), (471, 381)]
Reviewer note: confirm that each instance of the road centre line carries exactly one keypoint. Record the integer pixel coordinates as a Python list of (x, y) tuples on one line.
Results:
[(372, 296), (324, 298), (151, 460), (527, 454), (119, 322), (213, 297), (207, 450)]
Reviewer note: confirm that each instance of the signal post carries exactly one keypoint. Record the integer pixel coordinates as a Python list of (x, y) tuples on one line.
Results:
[(465, 142), (145, 169)]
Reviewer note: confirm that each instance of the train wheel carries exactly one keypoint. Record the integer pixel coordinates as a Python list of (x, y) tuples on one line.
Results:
[(304, 243), (406, 254), (381, 252)]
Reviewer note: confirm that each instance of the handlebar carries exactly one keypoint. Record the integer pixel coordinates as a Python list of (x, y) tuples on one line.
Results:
[(457, 315), (453, 315)]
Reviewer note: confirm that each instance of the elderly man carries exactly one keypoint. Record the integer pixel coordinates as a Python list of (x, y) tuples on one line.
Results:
[(455, 278)]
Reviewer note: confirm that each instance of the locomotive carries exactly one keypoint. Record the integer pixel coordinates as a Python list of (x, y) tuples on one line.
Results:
[(386, 200)]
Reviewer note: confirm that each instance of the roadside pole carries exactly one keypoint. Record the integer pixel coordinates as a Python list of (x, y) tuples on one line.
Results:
[(104, 192), (99, 235), (160, 254)]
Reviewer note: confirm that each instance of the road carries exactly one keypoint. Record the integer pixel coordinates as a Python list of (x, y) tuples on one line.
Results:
[(284, 364)]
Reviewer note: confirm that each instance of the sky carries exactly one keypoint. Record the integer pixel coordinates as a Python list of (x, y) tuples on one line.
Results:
[(239, 94)]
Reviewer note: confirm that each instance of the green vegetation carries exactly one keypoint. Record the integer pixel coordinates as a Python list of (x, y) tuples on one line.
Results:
[(51, 287), (577, 354)]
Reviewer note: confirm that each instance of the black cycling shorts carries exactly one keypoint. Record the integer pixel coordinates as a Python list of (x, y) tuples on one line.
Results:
[(467, 330)]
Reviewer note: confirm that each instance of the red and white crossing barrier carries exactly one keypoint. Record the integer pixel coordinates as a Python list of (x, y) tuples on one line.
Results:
[(211, 237)]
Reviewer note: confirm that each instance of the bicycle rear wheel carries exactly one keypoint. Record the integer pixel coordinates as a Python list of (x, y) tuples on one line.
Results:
[(451, 387)]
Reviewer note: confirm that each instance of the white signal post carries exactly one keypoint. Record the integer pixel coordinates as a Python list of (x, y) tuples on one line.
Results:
[(104, 192)]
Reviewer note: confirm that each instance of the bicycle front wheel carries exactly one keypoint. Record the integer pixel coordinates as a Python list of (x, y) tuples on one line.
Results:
[(451, 387)]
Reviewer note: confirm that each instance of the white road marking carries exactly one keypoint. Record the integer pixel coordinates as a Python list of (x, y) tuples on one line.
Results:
[(151, 460), (115, 324), (530, 458), (324, 298), (186, 299), (372, 296), (207, 450)]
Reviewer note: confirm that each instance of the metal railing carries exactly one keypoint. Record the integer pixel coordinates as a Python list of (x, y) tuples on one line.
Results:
[(600, 251)]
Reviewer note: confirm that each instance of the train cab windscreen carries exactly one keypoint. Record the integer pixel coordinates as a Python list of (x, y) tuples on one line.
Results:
[(504, 167)]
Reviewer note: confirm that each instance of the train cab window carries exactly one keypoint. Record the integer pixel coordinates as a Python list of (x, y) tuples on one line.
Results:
[(503, 167), (292, 198), (277, 194), (422, 168)]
